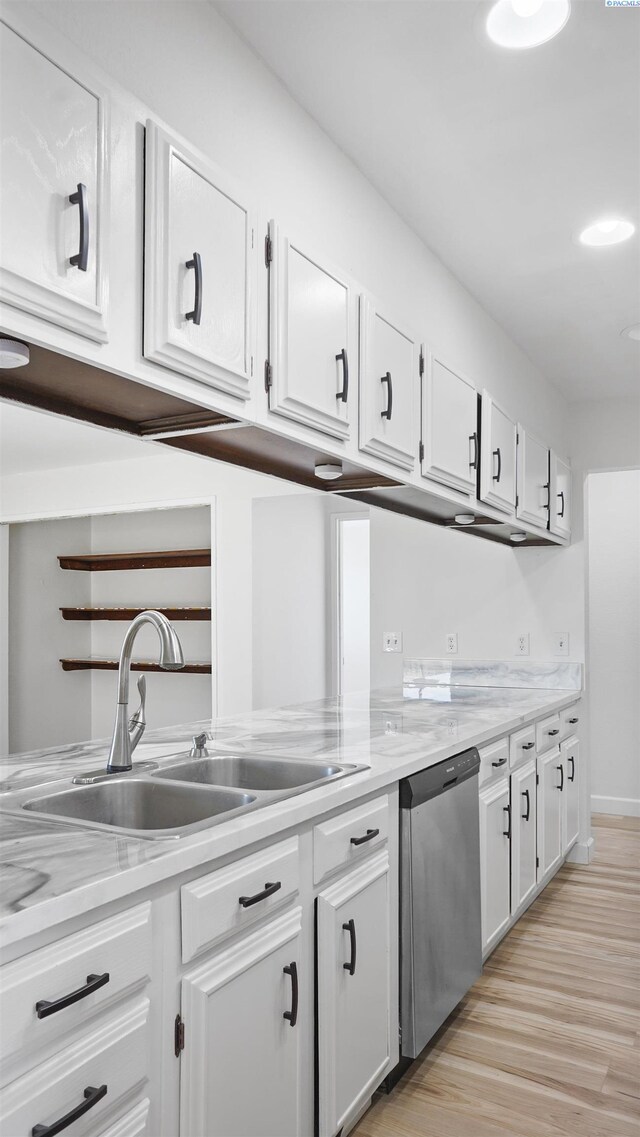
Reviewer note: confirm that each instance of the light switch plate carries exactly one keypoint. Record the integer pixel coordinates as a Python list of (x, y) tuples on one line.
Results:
[(392, 641), (561, 643)]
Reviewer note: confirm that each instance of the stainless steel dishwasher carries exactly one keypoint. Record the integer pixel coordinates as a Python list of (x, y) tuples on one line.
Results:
[(440, 930)]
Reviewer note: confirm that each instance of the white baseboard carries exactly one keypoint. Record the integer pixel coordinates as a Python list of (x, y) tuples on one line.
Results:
[(582, 852), (625, 806)]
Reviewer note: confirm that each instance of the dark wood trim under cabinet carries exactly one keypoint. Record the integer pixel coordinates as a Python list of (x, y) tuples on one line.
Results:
[(137, 665), (130, 613), (108, 562)]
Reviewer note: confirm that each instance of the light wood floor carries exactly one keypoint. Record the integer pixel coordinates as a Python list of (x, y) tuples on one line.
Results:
[(547, 1042)]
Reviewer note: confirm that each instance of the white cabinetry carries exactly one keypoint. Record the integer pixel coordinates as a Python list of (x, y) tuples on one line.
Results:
[(570, 751), (532, 480), (240, 1073), (354, 990), (389, 384), (313, 339), (550, 776), (495, 832), (55, 197), (560, 498), (200, 267), (497, 456), (449, 426), (523, 836)]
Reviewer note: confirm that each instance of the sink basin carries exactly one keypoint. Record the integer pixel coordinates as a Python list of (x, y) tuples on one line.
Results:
[(272, 775), (141, 807)]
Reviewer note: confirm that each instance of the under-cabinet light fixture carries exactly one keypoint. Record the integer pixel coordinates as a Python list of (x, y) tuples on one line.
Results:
[(328, 471), (464, 518), (13, 353), (517, 538)]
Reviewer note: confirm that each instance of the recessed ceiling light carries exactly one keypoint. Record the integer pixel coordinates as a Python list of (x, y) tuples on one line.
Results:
[(526, 23), (328, 471), (609, 231), (13, 353), (633, 332)]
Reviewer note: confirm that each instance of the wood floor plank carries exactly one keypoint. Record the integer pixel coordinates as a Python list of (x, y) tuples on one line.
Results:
[(547, 1042)]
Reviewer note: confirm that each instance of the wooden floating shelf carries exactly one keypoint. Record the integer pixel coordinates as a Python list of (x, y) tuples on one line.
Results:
[(108, 562), (175, 614), (137, 665)]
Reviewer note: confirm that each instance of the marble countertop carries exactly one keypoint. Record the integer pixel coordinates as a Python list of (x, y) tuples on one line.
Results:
[(51, 871)]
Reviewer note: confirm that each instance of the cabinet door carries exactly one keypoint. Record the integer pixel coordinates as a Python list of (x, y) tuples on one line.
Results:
[(389, 384), (55, 147), (495, 840), (532, 480), (354, 993), (449, 426), (241, 1066), (571, 793), (200, 267), (550, 790), (523, 840), (312, 338), (560, 497), (497, 456)]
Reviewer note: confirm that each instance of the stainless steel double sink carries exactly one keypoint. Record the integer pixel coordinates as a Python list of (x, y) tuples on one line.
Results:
[(185, 795)]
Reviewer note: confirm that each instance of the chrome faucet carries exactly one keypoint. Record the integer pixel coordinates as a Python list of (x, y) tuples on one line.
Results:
[(127, 733)]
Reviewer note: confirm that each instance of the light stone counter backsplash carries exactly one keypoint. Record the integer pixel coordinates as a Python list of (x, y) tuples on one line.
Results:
[(551, 675)]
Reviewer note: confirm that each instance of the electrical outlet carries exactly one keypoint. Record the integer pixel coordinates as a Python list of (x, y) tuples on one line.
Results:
[(561, 643), (393, 724), (392, 641), (452, 727), (522, 644), (452, 643)]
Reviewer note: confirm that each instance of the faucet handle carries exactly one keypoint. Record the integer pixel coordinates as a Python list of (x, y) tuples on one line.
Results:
[(199, 748), (138, 722)]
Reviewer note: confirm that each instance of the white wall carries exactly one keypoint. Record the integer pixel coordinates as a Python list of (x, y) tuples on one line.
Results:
[(605, 434), (613, 526)]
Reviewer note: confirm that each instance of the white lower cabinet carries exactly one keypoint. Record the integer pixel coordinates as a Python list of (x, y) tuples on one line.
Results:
[(550, 786), (241, 1068), (354, 991), (523, 835), (495, 832), (570, 751)]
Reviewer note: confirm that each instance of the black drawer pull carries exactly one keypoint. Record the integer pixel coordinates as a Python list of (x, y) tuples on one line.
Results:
[(527, 815), (507, 809), (497, 454), (268, 890), (551, 733), (292, 1015), (350, 927), (561, 769), (344, 393), (92, 1097), (389, 411), (46, 1007), (500, 762), (369, 835), (574, 721), (561, 512), (79, 198), (196, 264), (527, 745), (572, 775)]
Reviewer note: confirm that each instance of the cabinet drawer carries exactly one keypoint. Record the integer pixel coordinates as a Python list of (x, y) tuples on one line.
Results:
[(570, 721), (522, 745), (547, 733), (212, 907), (338, 843), (494, 759), (133, 1123), (119, 948), (115, 1055)]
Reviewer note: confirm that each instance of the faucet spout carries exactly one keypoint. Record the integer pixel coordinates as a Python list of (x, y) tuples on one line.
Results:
[(171, 659)]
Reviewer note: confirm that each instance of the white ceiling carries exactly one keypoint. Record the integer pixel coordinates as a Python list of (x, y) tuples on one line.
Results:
[(32, 440), (496, 158)]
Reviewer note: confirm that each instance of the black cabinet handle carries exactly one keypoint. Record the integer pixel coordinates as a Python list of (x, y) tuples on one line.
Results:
[(292, 1015), (268, 890), (528, 745), (497, 454), (507, 809), (92, 1097), (350, 927), (196, 264), (389, 411), (572, 775), (344, 393), (79, 198), (547, 506), (46, 1007), (500, 762), (552, 733), (527, 815), (369, 835), (574, 721), (561, 769), (473, 462), (561, 512)]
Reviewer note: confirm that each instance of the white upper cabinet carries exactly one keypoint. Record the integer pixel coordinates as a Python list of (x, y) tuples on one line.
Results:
[(200, 267), (449, 426), (560, 496), (54, 190), (389, 387), (532, 480), (312, 338), (497, 456)]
